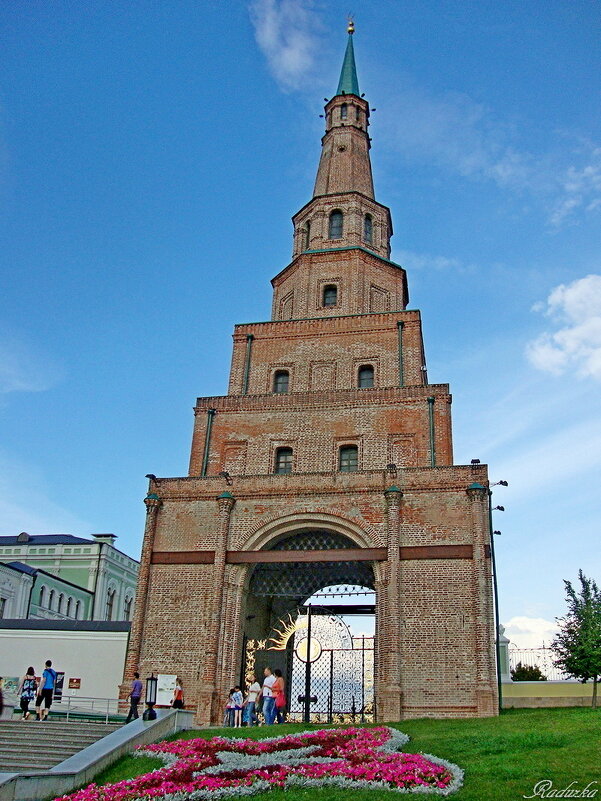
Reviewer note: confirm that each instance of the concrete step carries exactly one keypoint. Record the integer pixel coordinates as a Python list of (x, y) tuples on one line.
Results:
[(33, 746)]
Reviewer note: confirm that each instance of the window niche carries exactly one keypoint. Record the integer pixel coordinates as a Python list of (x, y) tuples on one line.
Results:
[(335, 225), (348, 459), (281, 382), (368, 229), (330, 295), (283, 461), (365, 376), (307, 235)]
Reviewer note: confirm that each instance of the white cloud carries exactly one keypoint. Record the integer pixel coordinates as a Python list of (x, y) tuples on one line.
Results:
[(535, 466), (458, 134), (581, 187), (21, 370), (284, 32), (424, 261), (530, 632), (576, 343)]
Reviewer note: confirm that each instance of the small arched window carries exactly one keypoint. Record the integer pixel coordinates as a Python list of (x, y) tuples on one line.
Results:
[(335, 226), (77, 609), (308, 235), (68, 609), (357, 113), (61, 601), (366, 376), (42, 598), (281, 381), (127, 609), (343, 111), (330, 295), (283, 460), (51, 599), (110, 603), (368, 229), (348, 460)]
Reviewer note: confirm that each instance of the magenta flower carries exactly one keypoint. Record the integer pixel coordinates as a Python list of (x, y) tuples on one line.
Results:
[(200, 769)]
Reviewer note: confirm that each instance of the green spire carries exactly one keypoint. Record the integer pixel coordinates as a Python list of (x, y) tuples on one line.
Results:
[(348, 83)]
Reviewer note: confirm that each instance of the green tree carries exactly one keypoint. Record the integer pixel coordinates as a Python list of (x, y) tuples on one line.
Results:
[(578, 645), (527, 673)]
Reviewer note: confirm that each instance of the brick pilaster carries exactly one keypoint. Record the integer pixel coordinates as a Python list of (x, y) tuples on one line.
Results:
[(209, 701), (153, 504)]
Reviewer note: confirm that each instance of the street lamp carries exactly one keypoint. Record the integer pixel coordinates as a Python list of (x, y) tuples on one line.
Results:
[(151, 698), (494, 583)]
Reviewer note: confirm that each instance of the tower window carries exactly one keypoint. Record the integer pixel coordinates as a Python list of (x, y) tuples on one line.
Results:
[(368, 229), (343, 111), (348, 459), (335, 227), (283, 460), (308, 235), (357, 113), (366, 376), (281, 381), (330, 295)]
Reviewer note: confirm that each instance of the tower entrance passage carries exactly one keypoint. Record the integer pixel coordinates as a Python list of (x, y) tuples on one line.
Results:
[(328, 667)]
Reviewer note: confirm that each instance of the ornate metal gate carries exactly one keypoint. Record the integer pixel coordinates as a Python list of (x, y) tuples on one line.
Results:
[(329, 673)]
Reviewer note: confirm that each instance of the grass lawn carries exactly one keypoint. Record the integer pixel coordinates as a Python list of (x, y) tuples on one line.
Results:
[(503, 757)]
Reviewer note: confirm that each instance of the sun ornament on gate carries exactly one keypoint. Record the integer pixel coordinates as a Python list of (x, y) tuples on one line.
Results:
[(351, 758)]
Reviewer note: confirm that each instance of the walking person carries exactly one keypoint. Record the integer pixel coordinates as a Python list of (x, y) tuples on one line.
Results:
[(177, 702), (279, 693), (134, 698), (268, 697), (250, 704), (27, 692), (45, 692)]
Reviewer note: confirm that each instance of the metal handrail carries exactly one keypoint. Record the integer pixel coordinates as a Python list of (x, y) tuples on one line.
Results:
[(82, 704)]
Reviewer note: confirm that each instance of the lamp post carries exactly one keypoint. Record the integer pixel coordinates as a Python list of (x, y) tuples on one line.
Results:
[(151, 698), (494, 584)]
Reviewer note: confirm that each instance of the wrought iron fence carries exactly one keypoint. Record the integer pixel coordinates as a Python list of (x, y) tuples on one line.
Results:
[(537, 657), (341, 684)]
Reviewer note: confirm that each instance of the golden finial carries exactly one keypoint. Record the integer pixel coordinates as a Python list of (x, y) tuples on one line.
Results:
[(351, 25)]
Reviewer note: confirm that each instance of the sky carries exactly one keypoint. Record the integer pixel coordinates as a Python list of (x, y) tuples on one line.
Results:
[(151, 157)]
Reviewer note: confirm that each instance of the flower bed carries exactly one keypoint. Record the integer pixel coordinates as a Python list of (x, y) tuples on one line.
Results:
[(219, 767)]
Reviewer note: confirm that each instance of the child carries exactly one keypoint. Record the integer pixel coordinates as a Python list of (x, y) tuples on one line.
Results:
[(237, 700), (229, 709)]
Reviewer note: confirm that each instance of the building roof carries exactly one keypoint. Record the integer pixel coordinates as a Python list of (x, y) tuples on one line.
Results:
[(21, 567), (348, 83), (66, 625), (45, 539)]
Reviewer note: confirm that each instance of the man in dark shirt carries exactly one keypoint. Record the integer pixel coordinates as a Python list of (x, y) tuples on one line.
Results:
[(134, 698)]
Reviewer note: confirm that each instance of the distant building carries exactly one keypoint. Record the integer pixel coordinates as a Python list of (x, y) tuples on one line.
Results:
[(61, 577)]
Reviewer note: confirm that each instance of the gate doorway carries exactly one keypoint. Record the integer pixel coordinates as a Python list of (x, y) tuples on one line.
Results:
[(297, 620)]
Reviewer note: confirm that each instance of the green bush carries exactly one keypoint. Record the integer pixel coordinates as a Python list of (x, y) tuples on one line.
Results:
[(527, 673)]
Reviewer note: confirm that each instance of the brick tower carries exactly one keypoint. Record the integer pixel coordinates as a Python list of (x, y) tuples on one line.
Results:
[(329, 461)]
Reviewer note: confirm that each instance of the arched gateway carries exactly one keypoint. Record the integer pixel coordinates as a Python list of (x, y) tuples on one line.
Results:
[(329, 461), (329, 674)]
